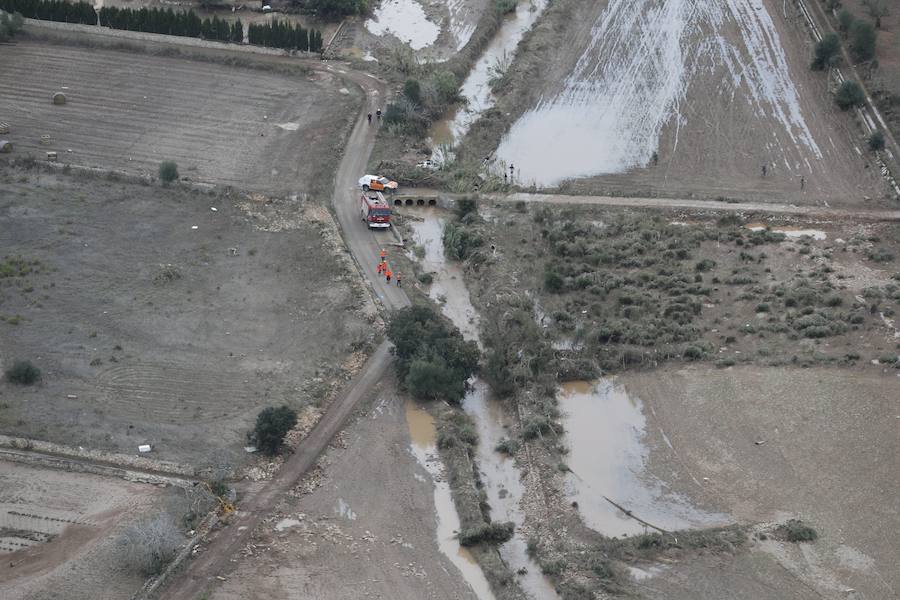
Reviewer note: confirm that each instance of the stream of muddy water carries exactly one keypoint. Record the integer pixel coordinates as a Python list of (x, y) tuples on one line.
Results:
[(476, 89), (501, 477)]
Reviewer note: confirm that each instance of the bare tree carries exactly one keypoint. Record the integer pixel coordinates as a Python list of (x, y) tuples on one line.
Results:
[(149, 546), (877, 9)]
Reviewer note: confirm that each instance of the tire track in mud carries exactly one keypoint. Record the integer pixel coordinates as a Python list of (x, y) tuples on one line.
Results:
[(645, 59)]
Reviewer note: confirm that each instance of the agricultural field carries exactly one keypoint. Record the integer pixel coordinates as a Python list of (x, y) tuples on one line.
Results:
[(635, 106), (166, 316), (61, 533), (250, 128)]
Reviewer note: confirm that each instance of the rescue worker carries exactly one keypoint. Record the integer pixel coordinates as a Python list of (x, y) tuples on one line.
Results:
[(380, 268), (388, 273), (398, 279), (383, 254)]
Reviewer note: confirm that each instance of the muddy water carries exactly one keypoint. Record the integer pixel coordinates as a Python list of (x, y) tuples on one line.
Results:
[(605, 430), (790, 231), (476, 88), (423, 434), (449, 288), (406, 20), (501, 477), (634, 74)]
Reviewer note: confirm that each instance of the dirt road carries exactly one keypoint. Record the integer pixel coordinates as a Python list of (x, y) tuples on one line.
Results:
[(873, 215), (364, 245)]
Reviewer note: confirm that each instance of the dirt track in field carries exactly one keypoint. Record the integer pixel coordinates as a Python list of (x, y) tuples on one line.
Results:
[(252, 129)]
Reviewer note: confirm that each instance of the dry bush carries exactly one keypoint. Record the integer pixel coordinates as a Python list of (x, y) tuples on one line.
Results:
[(149, 546)]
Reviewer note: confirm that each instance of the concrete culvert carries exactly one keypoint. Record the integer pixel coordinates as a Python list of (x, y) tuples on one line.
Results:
[(5, 146), (420, 202), (432, 202), (409, 202), (398, 202), (59, 98), (4, 127)]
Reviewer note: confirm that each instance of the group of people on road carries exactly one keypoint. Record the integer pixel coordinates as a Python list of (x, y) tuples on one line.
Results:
[(377, 115), (384, 268)]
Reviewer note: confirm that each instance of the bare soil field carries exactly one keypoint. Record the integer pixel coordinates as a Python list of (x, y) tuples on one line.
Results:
[(360, 526), (674, 99), (59, 533), (249, 128), (817, 443), (165, 316)]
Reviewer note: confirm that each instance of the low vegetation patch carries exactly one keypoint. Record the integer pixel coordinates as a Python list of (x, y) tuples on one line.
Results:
[(487, 533), (146, 548), (22, 372), (272, 424), (796, 531)]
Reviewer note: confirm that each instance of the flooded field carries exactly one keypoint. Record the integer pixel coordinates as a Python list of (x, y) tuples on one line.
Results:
[(423, 434), (605, 429), (635, 73), (476, 89), (406, 20)]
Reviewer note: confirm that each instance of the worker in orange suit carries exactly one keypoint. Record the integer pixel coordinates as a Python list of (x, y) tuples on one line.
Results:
[(388, 274)]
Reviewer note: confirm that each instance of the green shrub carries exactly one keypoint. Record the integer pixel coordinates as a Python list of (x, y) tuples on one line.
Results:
[(862, 40), (413, 91), (10, 25), (849, 95), (487, 533), (845, 20), (507, 446), (705, 265), (693, 353), (432, 358), (827, 53), (553, 568), (876, 141), (460, 242), (797, 531), (426, 278), (272, 424), (22, 372), (168, 171), (505, 6), (553, 282)]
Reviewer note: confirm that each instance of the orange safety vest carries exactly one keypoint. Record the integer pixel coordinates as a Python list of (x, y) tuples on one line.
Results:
[(382, 254), (388, 273)]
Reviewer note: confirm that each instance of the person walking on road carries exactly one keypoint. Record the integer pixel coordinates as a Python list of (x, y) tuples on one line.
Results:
[(802, 182), (380, 268), (387, 274), (383, 254), (369, 116), (378, 114), (765, 169), (398, 279)]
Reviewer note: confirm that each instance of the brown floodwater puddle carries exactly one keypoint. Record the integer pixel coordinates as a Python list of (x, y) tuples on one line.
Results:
[(423, 436), (499, 474), (606, 431)]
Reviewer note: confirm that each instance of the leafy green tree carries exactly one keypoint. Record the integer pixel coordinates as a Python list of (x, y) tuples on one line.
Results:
[(432, 358), (877, 9), (413, 91), (168, 171), (445, 86), (862, 40), (845, 20), (272, 424), (849, 95), (876, 141), (22, 372), (10, 25), (827, 52)]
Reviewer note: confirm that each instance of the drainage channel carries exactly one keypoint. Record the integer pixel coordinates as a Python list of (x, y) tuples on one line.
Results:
[(501, 477)]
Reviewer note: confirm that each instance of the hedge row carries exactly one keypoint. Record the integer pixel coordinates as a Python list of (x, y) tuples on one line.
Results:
[(282, 34), (276, 34)]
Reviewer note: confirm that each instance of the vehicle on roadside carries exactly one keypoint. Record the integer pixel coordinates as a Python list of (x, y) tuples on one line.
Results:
[(374, 210), (377, 183)]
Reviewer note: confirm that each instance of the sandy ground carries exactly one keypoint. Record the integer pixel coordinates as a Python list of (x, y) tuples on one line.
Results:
[(83, 514), (714, 100), (249, 128), (829, 454), (181, 364), (363, 526)]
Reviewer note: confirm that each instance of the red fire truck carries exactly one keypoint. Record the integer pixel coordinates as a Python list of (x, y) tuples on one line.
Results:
[(374, 210)]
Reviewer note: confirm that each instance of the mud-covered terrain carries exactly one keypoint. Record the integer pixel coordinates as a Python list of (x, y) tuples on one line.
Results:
[(164, 316)]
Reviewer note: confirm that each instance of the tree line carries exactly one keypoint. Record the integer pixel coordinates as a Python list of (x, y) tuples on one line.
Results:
[(283, 34), (276, 34)]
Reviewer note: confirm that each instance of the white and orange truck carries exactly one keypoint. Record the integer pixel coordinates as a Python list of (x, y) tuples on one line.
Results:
[(374, 210)]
